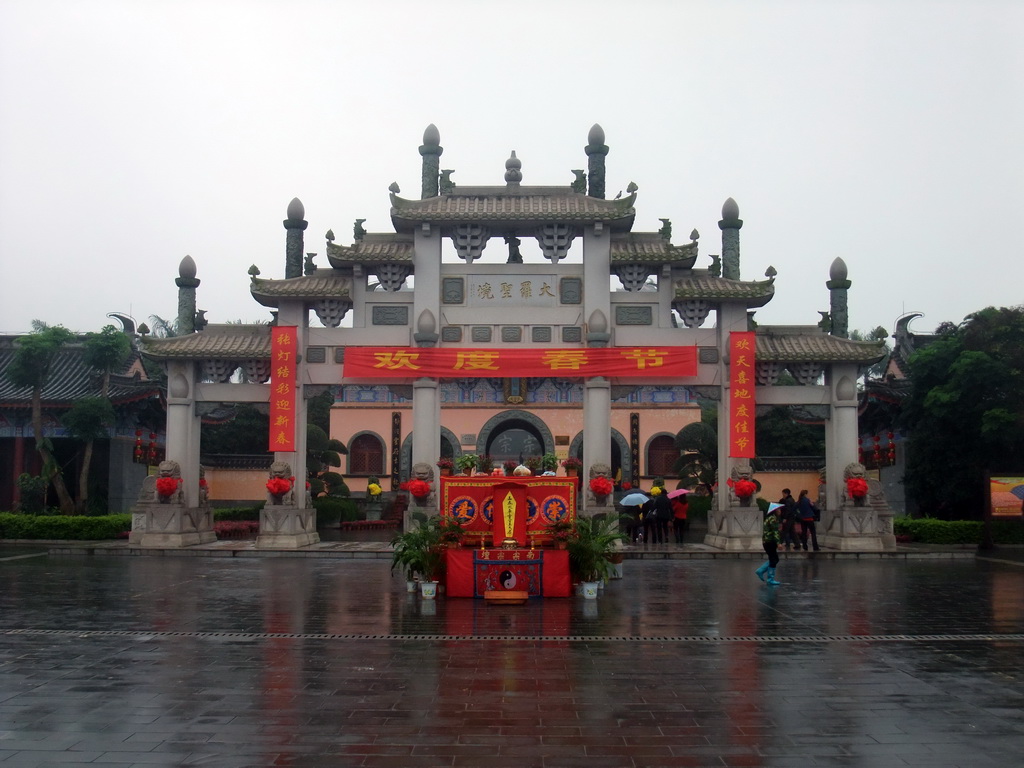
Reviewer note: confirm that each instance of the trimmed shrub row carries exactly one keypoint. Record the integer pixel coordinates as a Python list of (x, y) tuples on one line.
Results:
[(930, 531), (63, 527)]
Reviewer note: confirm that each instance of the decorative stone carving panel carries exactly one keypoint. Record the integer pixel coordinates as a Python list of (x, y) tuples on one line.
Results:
[(481, 333), (570, 290), (632, 276), (470, 241), (453, 290), (386, 315), (511, 333), (633, 316), (540, 334), (316, 354), (708, 355), (331, 311), (572, 334), (554, 240), (451, 333)]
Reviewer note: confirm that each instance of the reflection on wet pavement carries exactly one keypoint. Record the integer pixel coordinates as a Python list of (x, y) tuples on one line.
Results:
[(310, 662)]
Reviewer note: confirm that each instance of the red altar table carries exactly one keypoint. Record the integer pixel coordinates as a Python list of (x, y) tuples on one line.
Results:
[(540, 501), (540, 572)]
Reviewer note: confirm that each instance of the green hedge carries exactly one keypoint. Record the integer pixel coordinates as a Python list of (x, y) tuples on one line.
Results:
[(331, 510), (927, 530), (230, 514), (63, 527)]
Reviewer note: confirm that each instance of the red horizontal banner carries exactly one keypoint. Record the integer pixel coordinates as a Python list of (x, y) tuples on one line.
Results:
[(452, 363)]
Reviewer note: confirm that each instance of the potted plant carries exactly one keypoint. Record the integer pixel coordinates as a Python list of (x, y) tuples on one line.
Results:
[(572, 466), (445, 465), (466, 463), (596, 538), (534, 464), (560, 532), (509, 465), (418, 553), (452, 533), (548, 462), (485, 464)]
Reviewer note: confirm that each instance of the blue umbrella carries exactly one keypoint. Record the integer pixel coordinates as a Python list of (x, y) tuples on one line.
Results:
[(634, 499)]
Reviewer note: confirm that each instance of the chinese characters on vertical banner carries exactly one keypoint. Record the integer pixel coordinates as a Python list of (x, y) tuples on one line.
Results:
[(741, 395), (283, 344)]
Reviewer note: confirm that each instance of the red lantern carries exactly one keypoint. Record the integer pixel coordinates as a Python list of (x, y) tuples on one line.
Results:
[(152, 447), (138, 445)]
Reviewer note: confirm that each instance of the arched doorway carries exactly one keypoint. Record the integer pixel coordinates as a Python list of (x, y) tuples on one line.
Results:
[(514, 435)]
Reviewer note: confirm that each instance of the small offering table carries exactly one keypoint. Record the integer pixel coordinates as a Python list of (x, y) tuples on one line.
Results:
[(539, 572)]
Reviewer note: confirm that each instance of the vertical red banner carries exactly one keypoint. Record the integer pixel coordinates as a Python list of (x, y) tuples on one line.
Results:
[(283, 348), (741, 394)]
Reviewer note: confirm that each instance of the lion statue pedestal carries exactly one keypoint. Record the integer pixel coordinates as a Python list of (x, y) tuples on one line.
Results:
[(737, 527), (160, 519), (283, 525), (860, 524)]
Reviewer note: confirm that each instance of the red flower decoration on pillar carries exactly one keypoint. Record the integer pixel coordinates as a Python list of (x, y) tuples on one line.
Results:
[(166, 486), (278, 486), (601, 486), (745, 488)]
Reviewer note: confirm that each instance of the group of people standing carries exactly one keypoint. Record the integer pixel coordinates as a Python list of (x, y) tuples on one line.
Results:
[(650, 521), (780, 528)]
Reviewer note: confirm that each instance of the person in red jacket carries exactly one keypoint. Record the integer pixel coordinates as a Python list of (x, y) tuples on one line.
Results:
[(679, 510)]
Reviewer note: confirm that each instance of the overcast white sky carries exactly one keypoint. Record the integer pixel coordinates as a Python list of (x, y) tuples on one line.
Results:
[(134, 132)]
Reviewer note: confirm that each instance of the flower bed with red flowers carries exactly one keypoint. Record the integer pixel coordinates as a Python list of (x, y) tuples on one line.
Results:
[(236, 529)]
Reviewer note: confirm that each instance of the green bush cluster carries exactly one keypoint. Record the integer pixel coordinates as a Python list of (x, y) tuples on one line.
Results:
[(927, 530), (331, 509), (63, 527)]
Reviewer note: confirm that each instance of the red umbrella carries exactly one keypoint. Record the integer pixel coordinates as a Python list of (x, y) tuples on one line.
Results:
[(680, 492)]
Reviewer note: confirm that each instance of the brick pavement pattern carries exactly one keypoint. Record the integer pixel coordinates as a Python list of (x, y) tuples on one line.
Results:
[(308, 662)]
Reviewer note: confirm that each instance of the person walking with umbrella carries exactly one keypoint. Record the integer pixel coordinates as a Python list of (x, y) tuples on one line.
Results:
[(770, 537), (680, 506), (632, 503)]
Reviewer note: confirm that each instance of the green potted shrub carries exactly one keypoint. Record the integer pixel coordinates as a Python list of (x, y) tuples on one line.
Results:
[(418, 552), (549, 462), (589, 550), (466, 463)]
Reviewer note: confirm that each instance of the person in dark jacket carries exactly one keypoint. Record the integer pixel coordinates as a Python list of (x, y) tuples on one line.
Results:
[(788, 518), (806, 514), (662, 515)]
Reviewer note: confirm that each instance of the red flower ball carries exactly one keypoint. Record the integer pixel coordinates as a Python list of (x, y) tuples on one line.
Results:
[(419, 488), (745, 488), (626, 485), (166, 486), (601, 486), (857, 487), (278, 486)]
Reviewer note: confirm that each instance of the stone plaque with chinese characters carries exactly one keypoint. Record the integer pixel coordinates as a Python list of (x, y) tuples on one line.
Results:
[(496, 291)]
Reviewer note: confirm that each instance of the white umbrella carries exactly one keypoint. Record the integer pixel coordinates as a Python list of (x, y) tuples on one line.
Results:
[(634, 499)]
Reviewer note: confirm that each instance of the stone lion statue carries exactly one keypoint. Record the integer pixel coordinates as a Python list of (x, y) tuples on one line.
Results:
[(740, 471), (167, 469), (600, 470), (282, 470), (423, 471)]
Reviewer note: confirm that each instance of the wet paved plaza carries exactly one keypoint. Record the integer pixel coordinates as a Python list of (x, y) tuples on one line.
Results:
[(308, 662)]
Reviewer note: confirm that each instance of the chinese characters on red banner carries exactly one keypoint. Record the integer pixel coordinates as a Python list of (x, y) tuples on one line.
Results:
[(283, 346), (617, 362), (741, 395)]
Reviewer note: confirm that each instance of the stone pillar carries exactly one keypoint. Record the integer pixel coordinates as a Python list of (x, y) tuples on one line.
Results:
[(730, 226), (597, 429), (426, 431), (294, 225), (431, 151), (838, 289), (596, 151), (187, 284)]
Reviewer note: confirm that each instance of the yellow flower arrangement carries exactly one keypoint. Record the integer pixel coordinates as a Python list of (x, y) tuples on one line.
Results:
[(373, 489), (656, 490)]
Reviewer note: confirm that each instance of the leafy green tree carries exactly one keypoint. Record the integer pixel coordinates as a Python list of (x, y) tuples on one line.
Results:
[(89, 418), (698, 446), (779, 434), (965, 412), (30, 367), (323, 452)]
